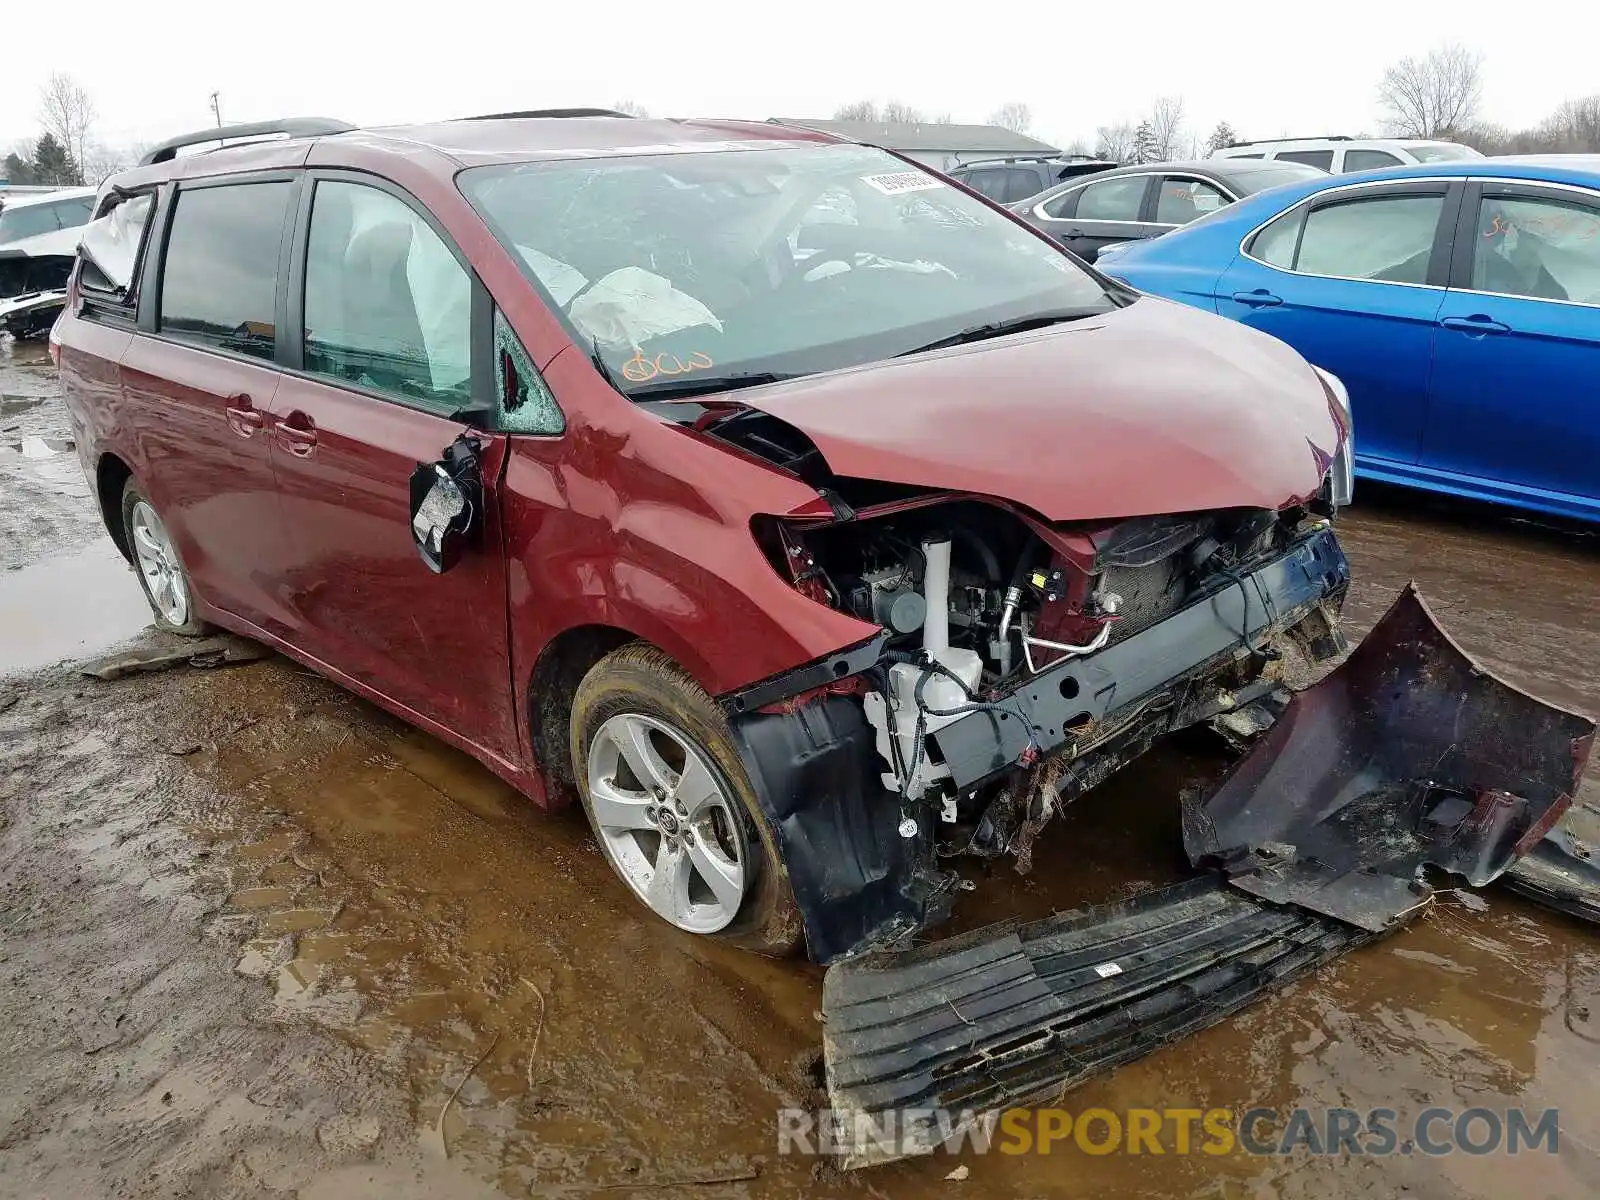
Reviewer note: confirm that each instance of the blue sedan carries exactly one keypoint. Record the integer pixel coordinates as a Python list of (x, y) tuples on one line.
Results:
[(1459, 302)]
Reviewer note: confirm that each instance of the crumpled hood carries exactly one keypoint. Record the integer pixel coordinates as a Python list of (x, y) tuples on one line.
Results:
[(1153, 408)]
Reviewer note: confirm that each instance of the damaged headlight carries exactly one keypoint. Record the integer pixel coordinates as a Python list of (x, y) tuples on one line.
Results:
[(1342, 471)]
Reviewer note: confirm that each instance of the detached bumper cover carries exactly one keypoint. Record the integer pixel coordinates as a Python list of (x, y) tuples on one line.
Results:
[(1408, 755)]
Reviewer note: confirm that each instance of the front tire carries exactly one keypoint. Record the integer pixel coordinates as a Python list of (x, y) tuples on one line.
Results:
[(671, 806), (155, 561)]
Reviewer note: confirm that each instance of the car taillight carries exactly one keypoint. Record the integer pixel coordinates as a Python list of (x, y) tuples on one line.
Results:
[(55, 345)]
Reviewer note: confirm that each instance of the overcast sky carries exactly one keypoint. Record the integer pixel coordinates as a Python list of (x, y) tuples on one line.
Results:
[(1267, 68)]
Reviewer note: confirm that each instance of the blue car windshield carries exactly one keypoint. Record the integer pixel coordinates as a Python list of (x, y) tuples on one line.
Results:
[(781, 261)]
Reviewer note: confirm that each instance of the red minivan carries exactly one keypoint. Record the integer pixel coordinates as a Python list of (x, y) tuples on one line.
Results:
[(640, 459), (806, 516)]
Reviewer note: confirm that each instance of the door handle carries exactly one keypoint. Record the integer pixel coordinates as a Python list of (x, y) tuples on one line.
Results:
[(297, 434), (1477, 324), (1260, 298), (242, 416)]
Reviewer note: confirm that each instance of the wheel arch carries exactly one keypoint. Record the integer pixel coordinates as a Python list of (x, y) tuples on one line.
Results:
[(562, 663), (111, 475)]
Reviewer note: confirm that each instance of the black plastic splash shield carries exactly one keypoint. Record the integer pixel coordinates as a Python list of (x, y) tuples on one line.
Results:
[(1408, 754), (1559, 873), (1016, 1013)]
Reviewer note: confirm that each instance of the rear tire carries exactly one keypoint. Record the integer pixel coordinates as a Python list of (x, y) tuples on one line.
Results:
[(161, 572), (671, 806)]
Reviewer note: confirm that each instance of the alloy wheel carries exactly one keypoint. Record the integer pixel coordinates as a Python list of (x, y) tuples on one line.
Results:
[(666, 822), (158, 563)]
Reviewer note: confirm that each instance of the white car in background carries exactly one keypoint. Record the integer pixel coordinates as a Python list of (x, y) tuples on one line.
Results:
[(39, 232), (1340, 155)]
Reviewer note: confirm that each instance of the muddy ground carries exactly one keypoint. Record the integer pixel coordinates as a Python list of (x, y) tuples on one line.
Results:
[(259, 939)]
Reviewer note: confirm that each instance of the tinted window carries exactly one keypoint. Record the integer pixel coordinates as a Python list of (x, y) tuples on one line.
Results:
[(1112, 199), (1311, 158), (1182, 200), (990, 181), (1369, 160), (1060, 205), (1387, 237), (219, 282), (1276, 243), (1547, 249), (387, 305), (1021, 182)]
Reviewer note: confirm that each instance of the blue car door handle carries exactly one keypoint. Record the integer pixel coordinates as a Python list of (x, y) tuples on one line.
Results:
[(1477, 324), (1260, 298)]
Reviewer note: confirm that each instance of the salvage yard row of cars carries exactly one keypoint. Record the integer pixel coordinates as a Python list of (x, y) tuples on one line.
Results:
[(816, 525)]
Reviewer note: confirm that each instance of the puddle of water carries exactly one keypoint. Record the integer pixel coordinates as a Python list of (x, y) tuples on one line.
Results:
[(67, 606)]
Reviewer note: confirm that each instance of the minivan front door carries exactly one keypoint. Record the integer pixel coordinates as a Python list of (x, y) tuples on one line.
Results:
[(387, 311)]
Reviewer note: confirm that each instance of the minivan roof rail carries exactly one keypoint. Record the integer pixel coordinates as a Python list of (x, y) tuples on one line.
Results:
[(1311, 137), (549, 112), (293, 126)]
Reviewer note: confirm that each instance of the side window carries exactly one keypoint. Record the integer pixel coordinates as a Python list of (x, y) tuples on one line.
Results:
[(1182, 200), (991, 182), (1062, 205), (219, 280), (26, 221), (1368, 160), (1020, 184), (1275, 245), (72, 213), (1547, 249), (524, 404), (1312, 158), (387, 306), (1112, 200), (1387, 238)]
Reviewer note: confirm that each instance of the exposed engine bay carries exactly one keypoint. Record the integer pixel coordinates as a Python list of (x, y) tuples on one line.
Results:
[(978, 602)]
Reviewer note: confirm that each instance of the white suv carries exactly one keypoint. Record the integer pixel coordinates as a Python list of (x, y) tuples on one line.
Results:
[(1342, 154)]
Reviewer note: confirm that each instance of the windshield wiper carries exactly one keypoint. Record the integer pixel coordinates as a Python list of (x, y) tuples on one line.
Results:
[(697, 384), (993, 329)]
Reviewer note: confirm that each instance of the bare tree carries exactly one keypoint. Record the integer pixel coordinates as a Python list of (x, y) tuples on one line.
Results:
[(1166, 128), (897, 112), (101, 161), (631, 108), (1114, 143), (67, 112), (1435, 96), (857, 110), (1013, 115)]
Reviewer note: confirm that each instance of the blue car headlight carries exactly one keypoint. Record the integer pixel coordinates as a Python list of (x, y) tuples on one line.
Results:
[(1342, 472)]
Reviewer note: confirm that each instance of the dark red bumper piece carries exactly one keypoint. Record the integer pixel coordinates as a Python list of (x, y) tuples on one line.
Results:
[(1408, 755)]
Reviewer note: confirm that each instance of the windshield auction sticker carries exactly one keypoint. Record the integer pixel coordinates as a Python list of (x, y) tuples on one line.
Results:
[(897, 182)]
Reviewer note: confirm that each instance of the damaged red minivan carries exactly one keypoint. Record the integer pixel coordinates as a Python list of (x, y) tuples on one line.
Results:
[(806, 517)]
